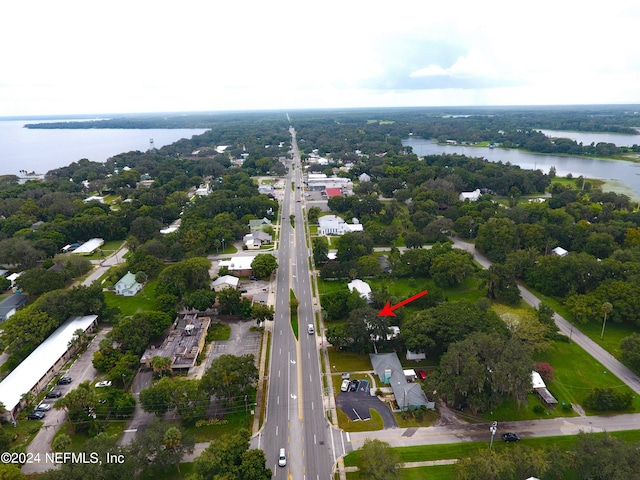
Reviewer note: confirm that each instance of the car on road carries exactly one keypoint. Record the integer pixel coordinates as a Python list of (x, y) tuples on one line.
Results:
[(422, 375), (345, 385), (510, 437), (104, 383), (310, 329), (64, 381), (43, 407), (354, 386), (282, 458), (36, 415), (297, 201), (54, 394)]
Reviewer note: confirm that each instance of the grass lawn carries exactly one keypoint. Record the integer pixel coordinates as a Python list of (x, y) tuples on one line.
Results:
[(325, 286), (235, 421), (430, 416), (375, 423), (348, 361), (145, 300), (614, 332), (112, 429), (218, 331), (173, 473), (577, 373)]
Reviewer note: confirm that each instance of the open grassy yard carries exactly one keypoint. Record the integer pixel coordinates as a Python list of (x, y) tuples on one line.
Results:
[(375, 423), (145, 300), (348, 361)]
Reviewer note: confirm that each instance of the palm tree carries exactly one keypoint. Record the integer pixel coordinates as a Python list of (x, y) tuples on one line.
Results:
[(606, 308)]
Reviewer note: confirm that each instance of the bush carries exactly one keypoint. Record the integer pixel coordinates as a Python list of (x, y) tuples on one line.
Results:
[(539, 409), (566, 407), (378, 392), (608, 399)]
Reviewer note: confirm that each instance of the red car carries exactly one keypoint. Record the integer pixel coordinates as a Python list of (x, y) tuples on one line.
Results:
[(421, 375)]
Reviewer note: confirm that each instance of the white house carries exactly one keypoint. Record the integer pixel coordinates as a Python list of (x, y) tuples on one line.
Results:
[(225, 281), (364, 177), (361, 287), (559, 251), (334, 225), (127, 285), (203, 190), (89, 246), (471, 196), (94, 198)]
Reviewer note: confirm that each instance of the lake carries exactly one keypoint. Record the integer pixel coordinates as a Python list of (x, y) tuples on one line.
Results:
[(586, 138), (40, 150), (622, 177)]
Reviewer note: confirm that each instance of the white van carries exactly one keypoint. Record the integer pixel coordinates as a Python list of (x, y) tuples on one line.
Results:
[(282, 458), (310, 329)]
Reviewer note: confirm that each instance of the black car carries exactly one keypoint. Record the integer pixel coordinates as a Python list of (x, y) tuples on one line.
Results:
[(36, 415), (510, 437), (354, 386), (64, 381), (54, 394)]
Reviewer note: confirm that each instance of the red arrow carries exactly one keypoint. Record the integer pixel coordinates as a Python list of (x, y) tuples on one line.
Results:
[(387, 311)]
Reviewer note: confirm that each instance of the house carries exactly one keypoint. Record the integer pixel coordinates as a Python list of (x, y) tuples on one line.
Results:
[(127, 285), (226, 281), (417, 356), (255, 225), (13, 277), (203, 190), (94, 198), (239, 266), (266, 190), (255, 240), (471, 196), (10, 305), (361, 287), (364, 178), (334, 225), (559, 251), (408, 395)]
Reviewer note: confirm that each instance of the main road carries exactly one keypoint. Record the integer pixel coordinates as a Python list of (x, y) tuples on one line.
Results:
[(295, 414)]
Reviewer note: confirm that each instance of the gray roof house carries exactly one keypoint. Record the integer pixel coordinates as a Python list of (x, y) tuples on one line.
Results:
[(10, 304), (127, 285), (255, 225), (408, 395)]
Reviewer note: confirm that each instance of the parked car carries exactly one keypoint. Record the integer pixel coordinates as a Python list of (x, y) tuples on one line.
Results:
[(43, 407), (36, 415), (54, 394), (345, 385), (422, 375), (510, 437), (345, 376), (282, 458), (64, 381), (243, 291), (354, 386), (104, 383), (253, 277)]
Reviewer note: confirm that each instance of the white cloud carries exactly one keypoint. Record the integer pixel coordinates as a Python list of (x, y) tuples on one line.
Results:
[(469, 66)]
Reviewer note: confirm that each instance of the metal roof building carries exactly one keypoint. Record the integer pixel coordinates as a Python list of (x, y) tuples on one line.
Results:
[(40, 367)]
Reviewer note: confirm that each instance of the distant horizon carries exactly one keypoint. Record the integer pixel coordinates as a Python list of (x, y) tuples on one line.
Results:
[(102, 115)]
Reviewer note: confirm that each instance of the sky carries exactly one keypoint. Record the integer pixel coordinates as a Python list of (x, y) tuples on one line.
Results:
[(115, 56)]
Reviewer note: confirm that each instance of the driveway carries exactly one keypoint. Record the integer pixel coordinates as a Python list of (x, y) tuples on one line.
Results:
[(357, 404)]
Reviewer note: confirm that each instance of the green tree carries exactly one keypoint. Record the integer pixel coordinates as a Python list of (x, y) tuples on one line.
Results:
[(230, 301), (601, 457), (452, 268), (320, 250), (11, 472), (261, 312), (501, 284), (202, 300), (630, 351), (497, 238), (353, 245), (313, 214), (376, 460), (157, 397), (60, 443), (264, 265), (161, 445), (230, 378), (79, 404)]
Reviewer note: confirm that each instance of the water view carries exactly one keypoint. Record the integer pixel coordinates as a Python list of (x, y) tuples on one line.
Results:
[(623, 177), (41, 150)]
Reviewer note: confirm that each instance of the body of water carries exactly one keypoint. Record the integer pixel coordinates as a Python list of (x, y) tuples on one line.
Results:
[(39, 150), (624, 177), (586, 138)]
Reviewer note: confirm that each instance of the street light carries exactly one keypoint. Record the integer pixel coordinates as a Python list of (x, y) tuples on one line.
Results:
[(494, 429)]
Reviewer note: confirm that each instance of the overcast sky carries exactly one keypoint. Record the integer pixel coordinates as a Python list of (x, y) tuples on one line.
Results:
[(79, 56)]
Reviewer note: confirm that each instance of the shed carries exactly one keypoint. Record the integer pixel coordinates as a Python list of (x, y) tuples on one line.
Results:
[(89, 246), (559, 251)]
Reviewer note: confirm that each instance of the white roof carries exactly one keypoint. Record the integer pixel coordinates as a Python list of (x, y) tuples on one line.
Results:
[(363, 288), (356, 227), (561, 252), (166, 231), (226, 280), (409, 372), (237, 263), (89, 246), (536, 380), (327, 219), (26, 375)]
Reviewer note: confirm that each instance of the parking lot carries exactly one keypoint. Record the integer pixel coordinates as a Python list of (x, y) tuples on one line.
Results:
[(356, 402)]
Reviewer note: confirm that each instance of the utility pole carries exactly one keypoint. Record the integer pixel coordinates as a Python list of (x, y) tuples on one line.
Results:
[(493, 429)]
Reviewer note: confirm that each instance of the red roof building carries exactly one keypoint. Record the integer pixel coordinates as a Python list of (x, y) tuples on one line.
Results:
[(334, 192)]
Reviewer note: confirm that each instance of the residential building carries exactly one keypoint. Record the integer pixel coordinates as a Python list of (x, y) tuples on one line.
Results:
[(408, 395), (334, 225), (364, 178), (225, 281), (127, 286), (471, 196), (363, 288), (89, 246), (239, 266), (559, 251), (255, 225), (10, 305)]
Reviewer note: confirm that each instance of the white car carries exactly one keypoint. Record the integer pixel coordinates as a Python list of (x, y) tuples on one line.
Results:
[(282, 458), (44, 407), (345, 385), (105, 383)]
